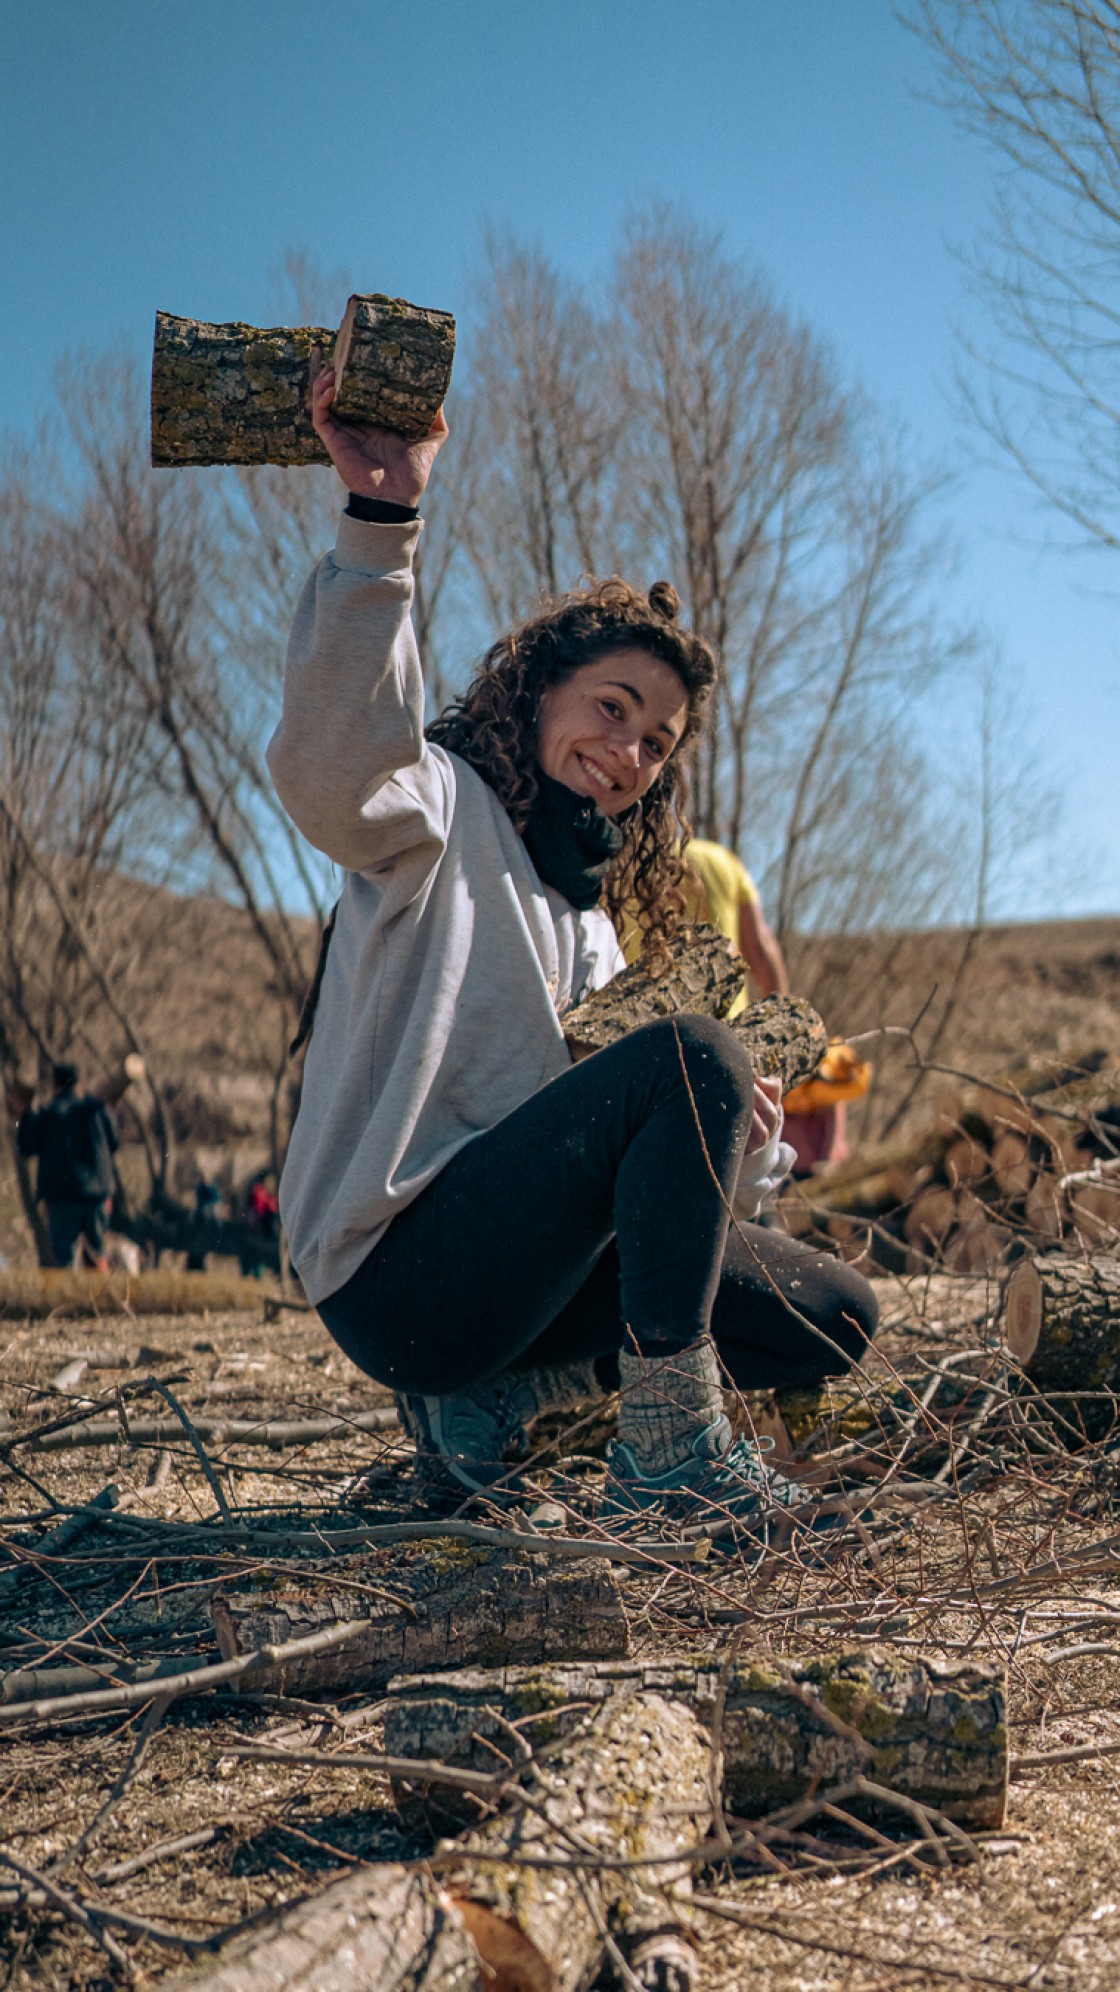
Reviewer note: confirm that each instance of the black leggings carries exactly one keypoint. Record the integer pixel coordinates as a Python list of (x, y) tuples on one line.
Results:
[(595, 1214)]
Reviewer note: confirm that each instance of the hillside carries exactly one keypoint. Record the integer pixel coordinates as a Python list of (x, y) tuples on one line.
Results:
[(216, 1031)]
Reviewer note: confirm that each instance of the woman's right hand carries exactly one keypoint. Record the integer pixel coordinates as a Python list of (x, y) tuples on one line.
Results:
[(374, 463)]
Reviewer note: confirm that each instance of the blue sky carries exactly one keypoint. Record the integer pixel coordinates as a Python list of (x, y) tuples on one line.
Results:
[(155, 155)]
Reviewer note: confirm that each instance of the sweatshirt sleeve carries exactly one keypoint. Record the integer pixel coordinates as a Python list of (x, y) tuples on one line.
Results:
[(349, 758)]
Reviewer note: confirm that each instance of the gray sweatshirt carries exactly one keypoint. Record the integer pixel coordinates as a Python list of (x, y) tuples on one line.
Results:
[(451, 962)]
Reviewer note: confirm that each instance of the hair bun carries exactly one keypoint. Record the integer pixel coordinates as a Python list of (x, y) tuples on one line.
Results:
[(665, 601)]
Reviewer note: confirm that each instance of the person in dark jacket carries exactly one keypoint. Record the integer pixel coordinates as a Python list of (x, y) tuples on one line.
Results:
[(74, 1137)]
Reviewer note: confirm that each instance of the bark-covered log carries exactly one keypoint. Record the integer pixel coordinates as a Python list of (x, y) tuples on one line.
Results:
[(783, 1034), (382, 1929), (703, 975), (441, 1603), (933, 1732), (393, 364), (632, 1781), (784, 1038), (1061, 1321), (235, 393), (239, 393)]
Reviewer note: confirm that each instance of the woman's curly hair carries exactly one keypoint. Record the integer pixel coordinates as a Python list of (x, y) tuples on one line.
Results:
[(494, 728)]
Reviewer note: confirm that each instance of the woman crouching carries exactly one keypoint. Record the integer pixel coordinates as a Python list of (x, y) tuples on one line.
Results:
[(484, 1227)]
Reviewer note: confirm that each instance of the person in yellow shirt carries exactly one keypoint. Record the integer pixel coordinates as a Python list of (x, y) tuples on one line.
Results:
[(717, 887), (720, 889)]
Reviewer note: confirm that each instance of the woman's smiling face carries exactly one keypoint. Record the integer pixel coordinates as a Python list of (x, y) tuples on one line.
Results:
[(608, 729)]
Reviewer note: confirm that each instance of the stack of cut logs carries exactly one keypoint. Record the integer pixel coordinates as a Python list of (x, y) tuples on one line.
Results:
[(994, 1169)]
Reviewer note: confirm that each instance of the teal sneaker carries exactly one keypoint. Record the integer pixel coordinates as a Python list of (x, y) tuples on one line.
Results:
[(722, 1480), (470, 1432)]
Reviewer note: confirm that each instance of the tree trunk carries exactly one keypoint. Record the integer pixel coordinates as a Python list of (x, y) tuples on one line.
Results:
[(783, 1035), (1061, 1321), (241, 393), (931, 1732), (448, 1602)]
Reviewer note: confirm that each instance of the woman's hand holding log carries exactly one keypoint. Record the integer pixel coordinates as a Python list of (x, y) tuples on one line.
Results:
[(374, 463)]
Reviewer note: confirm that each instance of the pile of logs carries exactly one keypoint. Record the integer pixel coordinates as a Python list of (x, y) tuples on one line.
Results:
[(1028, 1157), (582, 1787)]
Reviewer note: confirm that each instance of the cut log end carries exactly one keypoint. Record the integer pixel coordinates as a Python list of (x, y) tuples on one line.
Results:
[(1022, 1311)]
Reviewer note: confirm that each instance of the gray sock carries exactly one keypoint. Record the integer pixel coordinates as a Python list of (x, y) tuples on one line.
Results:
[(667, 1401)]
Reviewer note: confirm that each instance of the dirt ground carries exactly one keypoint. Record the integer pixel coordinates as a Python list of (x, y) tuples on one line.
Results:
[(1013, 1554)]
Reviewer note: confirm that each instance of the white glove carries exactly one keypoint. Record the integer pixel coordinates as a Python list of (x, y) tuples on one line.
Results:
[(762, 1173)]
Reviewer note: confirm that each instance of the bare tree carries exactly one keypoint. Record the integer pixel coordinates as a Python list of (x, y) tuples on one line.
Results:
[(1039, 81), (800, 540), (544, 430), (78, 770)]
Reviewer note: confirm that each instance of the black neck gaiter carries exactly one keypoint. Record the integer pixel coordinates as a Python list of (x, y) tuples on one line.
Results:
[(570, 841)]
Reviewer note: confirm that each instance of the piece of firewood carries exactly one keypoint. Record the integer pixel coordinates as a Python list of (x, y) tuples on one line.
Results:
[(1043, 1208), (966, 1161), (934, 1732), (239, 393), (1094, 1210), (392, 363), (631, 1782), (440, 1603), (702, 974), (1061, 1322), (931, 1216), (1012, 1167), (978, 1244), (783, 1034)]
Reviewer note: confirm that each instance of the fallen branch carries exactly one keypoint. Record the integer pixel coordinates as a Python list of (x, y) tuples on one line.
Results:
[(451, 1604), (219, 1431)]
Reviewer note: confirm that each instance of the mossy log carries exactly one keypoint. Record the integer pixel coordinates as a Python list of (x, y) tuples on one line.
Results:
[(1061, 1322), (435, 1605), (783, 1035), (238, 393), (936, 1733)]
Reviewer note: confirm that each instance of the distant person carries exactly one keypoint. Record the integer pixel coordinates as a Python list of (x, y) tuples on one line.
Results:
[(74, 1138), (262, 1206), (204, 1229), (261, 1213)]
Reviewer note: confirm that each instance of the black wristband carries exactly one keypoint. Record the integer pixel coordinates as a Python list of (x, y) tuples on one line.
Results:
[(381, 511)]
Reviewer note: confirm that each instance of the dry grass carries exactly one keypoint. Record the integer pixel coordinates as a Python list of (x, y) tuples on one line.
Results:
[(35, 1293)]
